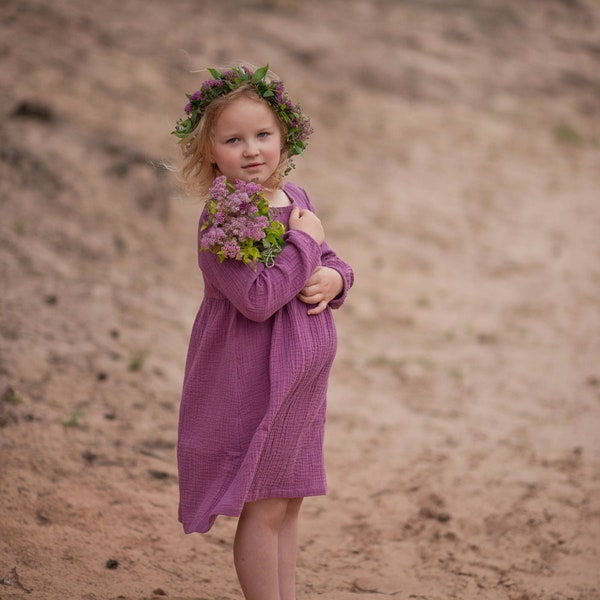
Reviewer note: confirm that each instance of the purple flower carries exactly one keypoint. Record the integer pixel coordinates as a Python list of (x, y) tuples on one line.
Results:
[(231, 249), (210, 83), (219, 188), (253, 188), (257, 232), (240, 185), (211, 237), (238, 221), (236, 201)]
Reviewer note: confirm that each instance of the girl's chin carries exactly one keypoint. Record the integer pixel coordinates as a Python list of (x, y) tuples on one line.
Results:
[(254, 178), (249, 176), (246, 177)]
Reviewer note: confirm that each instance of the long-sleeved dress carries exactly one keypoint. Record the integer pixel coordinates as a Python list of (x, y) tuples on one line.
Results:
[(252, 412)]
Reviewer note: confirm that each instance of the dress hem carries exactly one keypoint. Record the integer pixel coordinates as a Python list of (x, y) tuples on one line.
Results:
[(232, 512)]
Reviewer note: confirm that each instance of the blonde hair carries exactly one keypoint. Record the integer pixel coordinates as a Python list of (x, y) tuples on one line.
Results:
[(198, 172)]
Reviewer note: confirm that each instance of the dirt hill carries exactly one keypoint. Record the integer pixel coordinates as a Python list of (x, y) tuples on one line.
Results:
[(455, 165)]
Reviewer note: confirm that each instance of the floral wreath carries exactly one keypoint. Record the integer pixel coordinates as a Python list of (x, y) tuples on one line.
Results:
[(222, 83)]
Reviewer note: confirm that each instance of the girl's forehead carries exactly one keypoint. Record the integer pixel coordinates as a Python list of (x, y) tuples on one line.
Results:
[(246, 110)]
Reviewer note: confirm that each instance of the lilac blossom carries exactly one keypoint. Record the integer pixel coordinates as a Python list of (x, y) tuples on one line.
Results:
[(231, 249), (238, 223), (219, 188), (211, 236)]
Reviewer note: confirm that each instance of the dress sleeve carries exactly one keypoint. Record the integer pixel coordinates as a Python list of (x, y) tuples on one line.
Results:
[(256, 291), (330, 259)]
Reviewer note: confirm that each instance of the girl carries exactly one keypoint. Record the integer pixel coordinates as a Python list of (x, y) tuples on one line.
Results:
[(252, 412)]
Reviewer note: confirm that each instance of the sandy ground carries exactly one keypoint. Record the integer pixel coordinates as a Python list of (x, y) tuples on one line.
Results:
[(456, 166)]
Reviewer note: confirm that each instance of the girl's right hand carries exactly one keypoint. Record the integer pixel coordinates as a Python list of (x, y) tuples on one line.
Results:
[(306, 220)]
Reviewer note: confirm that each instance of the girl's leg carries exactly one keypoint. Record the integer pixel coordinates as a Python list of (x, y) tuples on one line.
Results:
[(255, 548), (288, 550)]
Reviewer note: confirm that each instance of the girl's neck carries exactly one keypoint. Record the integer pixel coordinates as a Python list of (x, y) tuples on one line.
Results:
[(277, 198)]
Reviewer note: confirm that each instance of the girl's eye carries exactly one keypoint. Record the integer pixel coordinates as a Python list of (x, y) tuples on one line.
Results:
[(231, 140), (263, 134)]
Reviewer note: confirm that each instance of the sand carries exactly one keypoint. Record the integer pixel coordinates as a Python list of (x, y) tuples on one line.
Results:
[(455, 165)]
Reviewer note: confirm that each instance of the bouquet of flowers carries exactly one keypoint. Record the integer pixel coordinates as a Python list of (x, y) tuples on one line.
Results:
[(239, 224)]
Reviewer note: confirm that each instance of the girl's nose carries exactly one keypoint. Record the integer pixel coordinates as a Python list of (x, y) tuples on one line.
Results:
[(251, 149)]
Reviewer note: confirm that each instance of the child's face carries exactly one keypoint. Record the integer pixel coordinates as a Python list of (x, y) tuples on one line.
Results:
[(247, 141)]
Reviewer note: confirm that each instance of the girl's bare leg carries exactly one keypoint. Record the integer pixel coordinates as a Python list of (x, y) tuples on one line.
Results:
[(288, 550), (256, 548)]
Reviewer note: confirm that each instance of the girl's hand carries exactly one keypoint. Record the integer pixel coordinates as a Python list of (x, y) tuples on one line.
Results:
[(322, 286), (307, 221)]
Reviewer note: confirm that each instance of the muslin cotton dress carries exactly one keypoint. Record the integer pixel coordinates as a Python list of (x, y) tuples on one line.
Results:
[(252, 414)]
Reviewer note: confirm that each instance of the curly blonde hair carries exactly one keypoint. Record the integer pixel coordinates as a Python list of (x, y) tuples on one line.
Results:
[(198, 172)]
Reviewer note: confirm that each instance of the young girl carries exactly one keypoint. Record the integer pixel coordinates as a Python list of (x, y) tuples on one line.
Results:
[(252, 412)]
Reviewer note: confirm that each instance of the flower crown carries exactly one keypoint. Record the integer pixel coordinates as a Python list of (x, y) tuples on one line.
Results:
[(222, 83)]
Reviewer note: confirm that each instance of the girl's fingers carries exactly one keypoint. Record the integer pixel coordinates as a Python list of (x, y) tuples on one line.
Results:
[(318, 309), (310, 299)]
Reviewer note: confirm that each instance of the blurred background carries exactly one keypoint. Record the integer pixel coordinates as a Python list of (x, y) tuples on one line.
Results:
[(455, 164)]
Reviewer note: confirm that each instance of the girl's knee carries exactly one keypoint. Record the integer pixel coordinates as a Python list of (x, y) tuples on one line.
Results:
[(270, 512), (293, 507)]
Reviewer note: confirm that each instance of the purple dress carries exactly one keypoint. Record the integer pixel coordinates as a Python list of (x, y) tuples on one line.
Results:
[(252, 413)]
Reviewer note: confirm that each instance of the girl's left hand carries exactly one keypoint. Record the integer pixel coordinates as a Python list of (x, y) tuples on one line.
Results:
[(322, 286)]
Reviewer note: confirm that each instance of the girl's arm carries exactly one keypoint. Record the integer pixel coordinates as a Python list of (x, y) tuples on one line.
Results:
[(330, 259), (256, 291), (321, 281), (327, 285)]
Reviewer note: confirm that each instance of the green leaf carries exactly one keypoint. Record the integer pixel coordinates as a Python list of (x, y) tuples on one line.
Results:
[(215, 74), (259, 74)]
